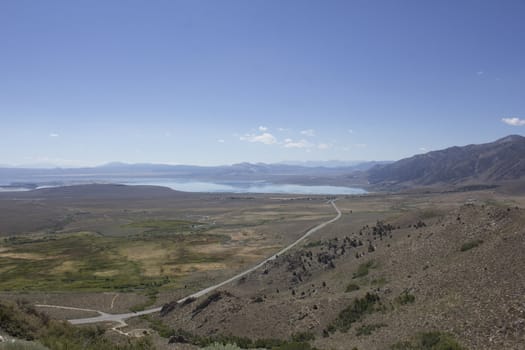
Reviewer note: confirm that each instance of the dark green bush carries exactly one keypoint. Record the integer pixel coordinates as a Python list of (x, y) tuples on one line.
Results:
[(367, 329), (405, 298), (294, 346), (429, 341), (299, 340), (362, 269), (313, 244), (65, 336), (13, 322), (21, 320), (303, 337), (351, 287), (354, 312), (470, 245)]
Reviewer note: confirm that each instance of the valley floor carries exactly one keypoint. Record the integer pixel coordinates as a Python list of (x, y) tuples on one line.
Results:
[(397, 270)]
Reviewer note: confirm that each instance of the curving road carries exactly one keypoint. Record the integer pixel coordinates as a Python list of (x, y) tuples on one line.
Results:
[(119, 318)]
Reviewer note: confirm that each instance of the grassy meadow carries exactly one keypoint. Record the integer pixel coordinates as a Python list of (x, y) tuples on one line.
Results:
[(145, 248), (87, 261)]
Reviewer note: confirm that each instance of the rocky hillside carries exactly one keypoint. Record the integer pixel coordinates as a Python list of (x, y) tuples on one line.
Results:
[(486, 163), (453, 279)]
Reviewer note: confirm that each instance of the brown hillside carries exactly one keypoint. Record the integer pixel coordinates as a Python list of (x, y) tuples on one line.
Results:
[(458, 272), (487, 163)]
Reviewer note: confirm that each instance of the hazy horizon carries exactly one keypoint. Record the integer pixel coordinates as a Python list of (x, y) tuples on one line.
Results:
[(308, 163)]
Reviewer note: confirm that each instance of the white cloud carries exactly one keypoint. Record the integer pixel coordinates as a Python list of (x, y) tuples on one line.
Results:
[(266, 138), (282, 129), (53, 135), (361, 145), (513, 121), (350, 131), (423, 149), (298, 144), (480, 72), (221, 141), (309, 132), (263, 128), (323, 146)]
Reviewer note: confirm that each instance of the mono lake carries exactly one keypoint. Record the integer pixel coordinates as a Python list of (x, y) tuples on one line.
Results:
[(248, 187), (200, 186)]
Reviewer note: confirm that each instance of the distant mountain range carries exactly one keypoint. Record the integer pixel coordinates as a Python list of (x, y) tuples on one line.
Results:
[(355, 164), (119, 172), (488, 163), (233, 172)]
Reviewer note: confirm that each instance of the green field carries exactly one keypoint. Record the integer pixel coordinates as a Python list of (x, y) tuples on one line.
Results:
[(90, 262), (152, 226)]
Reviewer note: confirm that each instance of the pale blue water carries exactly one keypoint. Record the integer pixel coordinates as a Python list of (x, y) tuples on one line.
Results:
[(13, 189), (249, 187), (205, 186), (21, 189)]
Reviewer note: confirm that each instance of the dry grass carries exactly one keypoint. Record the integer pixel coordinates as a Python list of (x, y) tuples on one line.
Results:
[(24, 256), (66, 266)]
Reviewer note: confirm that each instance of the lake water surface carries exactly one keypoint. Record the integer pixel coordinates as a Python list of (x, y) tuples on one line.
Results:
[(204, 186), (248, 187)]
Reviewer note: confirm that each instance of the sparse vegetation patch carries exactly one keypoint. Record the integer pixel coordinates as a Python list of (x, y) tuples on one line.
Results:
[(89, 262), (381, 281), (166, 226), (469, 245), (429, 341), (354, 312), (303, 337), (151, 294), (405, 298), (20, 320), (21, 345), (313, 244), (363, 269), (351, 287), (367, 329), (214, 297), (299, 341)]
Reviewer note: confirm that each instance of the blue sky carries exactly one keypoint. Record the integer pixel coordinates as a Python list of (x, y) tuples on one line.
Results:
[(219, 82)]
